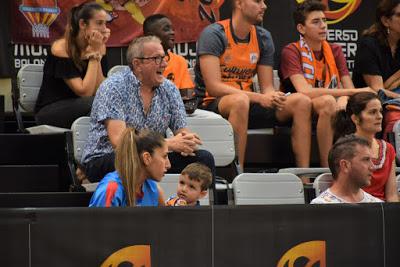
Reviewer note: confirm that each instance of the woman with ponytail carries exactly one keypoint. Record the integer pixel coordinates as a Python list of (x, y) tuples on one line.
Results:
[(363, 116), (74, 68), (141, 161)]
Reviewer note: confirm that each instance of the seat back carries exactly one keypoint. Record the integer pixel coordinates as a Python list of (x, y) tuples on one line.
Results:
[(398, 182), (256, 85), (267, 188), (29, 80), (311, 172), (216, 134), (80, 132), (276, 82), (396, 131), (170, 183), (115, 69), (322, 183)]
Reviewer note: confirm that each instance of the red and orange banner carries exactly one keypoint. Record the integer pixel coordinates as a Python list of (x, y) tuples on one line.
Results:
[(43, 21)]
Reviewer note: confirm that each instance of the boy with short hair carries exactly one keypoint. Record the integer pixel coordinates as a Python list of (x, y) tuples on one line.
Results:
[(314, 67), (193, 184)]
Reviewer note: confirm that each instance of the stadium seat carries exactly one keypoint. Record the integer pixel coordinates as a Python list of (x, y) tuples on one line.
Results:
[(312, 172), (267, 188), (170, 183), (29, 80), (322, 182), (216, 134), (396, 131), (80, 132), (115, 69)]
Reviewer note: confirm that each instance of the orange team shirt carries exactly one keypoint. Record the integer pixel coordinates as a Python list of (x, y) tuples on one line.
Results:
[(177, 71), (238, 63)]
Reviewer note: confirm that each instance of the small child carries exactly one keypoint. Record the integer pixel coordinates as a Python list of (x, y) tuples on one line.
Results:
[(193, 183)]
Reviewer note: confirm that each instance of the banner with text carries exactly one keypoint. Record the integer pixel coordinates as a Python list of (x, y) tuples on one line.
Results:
[(43, 21)]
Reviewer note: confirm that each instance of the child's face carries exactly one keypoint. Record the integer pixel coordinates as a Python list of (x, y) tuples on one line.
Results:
[(189, 190)]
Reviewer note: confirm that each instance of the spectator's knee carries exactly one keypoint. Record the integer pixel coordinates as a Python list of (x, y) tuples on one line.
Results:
[(328, 105), (301, 102), (241, 102)]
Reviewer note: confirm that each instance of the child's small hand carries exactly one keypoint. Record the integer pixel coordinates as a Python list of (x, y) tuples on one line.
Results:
[(180, 202), (175, 201)]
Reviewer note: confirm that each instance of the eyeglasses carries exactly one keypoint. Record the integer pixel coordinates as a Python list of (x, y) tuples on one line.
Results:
[(157, 59)]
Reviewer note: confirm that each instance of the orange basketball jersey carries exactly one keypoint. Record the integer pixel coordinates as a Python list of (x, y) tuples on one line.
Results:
[(238, 64)]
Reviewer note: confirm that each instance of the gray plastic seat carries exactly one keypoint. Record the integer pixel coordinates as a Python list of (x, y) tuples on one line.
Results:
[(267, 188)]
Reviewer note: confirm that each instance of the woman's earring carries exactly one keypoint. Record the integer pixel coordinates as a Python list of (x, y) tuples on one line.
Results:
[(387, 30)]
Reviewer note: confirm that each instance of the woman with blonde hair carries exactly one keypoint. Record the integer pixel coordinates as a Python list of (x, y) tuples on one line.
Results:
[(141, 161), (74, 68)]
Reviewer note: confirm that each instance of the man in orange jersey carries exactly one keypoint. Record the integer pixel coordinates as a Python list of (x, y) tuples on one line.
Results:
[(230, 53), (314, 67)]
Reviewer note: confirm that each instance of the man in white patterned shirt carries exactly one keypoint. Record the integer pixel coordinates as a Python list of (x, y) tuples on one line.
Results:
[(140, 97), (351, 166)]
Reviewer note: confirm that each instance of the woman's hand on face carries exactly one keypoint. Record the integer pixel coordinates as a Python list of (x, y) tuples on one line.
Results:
[(95, 41)]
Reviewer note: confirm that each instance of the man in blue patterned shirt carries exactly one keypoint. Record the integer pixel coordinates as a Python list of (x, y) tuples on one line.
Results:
[(140, 97)]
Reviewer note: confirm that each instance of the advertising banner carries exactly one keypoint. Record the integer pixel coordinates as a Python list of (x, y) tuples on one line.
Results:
[(114, 237), (43, 21), (280, 235), (299, 236), (36, 23)]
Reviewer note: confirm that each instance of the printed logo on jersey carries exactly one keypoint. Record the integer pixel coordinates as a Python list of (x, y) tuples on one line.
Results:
[(253, 58)]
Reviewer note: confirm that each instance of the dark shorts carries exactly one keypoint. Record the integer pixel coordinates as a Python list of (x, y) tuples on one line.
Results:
[(259, 117)]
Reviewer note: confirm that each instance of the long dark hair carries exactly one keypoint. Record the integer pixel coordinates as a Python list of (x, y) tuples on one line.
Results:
[(385, 8), (85, 12), (342, 123)]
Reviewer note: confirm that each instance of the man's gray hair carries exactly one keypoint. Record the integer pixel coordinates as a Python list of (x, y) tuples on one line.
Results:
[(135, 48)]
